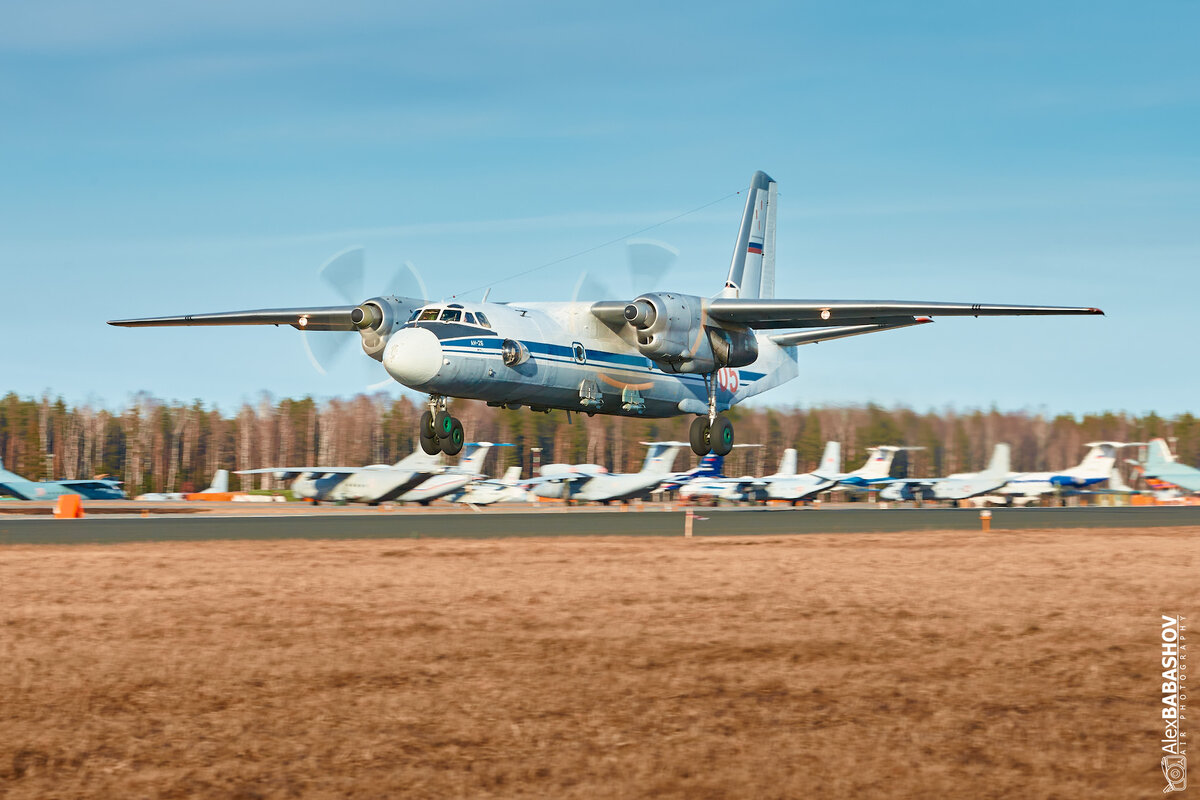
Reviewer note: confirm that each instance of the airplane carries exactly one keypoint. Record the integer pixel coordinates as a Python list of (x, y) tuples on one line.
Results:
[(507, 489), (454, 479), (661, 354), (590, 482), (711, 483), (787, 485), (1096, 467), (877, 469), (1161, 465), (220, 485), (710, 466), (959, 486), (379, 482), (24, 489)]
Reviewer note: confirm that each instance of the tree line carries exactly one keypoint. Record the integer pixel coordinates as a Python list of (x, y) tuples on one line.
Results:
[(154, 445)]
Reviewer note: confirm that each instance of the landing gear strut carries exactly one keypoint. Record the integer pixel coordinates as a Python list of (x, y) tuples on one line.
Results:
[(440, 432), (714, 433)]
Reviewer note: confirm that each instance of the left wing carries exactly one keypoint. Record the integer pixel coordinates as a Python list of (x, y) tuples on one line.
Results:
[(765, 313)]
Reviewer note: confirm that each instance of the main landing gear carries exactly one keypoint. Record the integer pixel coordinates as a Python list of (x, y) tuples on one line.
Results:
[(713, 433), (440, 432)]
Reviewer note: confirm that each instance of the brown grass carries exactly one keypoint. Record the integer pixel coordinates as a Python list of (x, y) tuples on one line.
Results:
[(899, 665)]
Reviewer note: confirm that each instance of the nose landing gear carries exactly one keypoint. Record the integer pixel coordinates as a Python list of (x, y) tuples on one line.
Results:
[(440, 432), (714, 433)]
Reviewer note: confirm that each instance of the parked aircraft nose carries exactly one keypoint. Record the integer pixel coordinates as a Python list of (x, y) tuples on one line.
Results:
[(413, 356)]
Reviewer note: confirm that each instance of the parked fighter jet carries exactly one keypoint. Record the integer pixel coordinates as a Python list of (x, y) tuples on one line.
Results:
[(378, 481), (660, 354), (591, 482), (958, 486), (95, 489), (1161, 465)]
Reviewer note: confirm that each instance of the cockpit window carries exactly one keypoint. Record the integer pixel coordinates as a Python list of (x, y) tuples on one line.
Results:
[(469, 318), (483, 320), (451, 315), (428, 315), (413, 317)]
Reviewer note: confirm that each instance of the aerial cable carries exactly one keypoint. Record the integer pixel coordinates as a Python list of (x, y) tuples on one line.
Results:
[(594, 248)]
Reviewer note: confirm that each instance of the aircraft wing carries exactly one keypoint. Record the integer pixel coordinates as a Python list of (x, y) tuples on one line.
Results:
[(90, 483), (312, 318), (1184, 480), (294, 471), (766, 313)]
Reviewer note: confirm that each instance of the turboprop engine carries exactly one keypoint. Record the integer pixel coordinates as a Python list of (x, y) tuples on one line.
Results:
[(673, 331), (374, 320)]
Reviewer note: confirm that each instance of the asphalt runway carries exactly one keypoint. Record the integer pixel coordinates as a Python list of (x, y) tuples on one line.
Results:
[(574, 522)]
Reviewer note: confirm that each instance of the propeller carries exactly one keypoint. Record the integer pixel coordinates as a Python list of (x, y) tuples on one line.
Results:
[(345, 275), (649, 261)]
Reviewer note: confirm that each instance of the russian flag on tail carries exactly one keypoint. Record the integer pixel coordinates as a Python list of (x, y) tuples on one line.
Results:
[(755, 247)]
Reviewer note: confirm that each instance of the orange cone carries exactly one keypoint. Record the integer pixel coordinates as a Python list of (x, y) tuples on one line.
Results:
[(68, 506)]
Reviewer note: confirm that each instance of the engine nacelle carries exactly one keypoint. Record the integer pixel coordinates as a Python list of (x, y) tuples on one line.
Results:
[(377, 318), (673, 331)]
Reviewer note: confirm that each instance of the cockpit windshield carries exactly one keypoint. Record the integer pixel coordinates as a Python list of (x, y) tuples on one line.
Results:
[(429, 314), (452, 315)]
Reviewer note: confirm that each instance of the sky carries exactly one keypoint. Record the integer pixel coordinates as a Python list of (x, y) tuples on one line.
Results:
[(177, 158)]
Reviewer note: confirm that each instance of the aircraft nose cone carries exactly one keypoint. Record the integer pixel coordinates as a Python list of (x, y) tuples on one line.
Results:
[(413, 356)]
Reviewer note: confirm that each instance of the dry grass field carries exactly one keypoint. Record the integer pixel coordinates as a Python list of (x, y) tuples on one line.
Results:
[(897, 665)]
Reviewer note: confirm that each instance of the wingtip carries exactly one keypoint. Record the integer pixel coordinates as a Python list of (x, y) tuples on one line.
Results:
[(1099, 311)]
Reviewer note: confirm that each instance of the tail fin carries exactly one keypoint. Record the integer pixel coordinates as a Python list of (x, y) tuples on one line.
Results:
[(1158, 453), (473, 456), (5, 475), (660, 458), (1099, 460), (1116, 482), (998, 467), (879, 463), (752, 269), (831, 461), (220, 483), (710, 466), (512, 474), (419, 459), (787, 465)]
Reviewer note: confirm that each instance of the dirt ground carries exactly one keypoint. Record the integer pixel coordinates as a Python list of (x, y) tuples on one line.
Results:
[(894, 665)]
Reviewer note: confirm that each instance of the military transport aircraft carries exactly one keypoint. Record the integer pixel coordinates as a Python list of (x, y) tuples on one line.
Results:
[(593, 483), (24, 489), (1161, 465), (661, 354)]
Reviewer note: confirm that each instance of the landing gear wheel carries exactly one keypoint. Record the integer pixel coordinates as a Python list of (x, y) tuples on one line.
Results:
[(425, 426), (430, 444), (699, 436), (442, 424), (454, 441), (721, 436)]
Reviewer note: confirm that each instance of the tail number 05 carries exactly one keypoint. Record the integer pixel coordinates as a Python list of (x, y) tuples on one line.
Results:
[(727, 379)]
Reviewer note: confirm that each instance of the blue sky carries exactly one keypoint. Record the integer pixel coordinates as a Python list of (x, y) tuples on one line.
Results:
[(167, 158)]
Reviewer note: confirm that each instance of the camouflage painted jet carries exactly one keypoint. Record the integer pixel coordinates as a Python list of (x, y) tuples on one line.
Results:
[(23, 489)]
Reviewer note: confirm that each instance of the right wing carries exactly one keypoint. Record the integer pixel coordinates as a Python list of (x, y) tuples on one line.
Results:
[(761, 314)]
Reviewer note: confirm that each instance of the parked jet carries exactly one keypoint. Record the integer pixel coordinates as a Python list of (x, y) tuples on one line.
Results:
[(1096, 467), (589, 482), (220, 485), (1161, 465), (958, 486), (507, 489), (22, 489), (710, 466), (877, 469), (380, 481), (661, 354), (454, 479)]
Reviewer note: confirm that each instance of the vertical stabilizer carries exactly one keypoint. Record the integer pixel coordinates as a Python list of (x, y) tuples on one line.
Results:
[(787, 465), (752, 268), (220, 483), (1158, 454), (512, 474), (1116, 482), (5, 475), (472, 458), (831, 461), (1099, 460), (998, 467), (879, 463), (661, 457)]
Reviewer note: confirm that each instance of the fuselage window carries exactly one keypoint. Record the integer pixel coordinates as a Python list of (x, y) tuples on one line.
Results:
[(451, 315), (429, 315), (580, 353), (469, 318), (483, 320)]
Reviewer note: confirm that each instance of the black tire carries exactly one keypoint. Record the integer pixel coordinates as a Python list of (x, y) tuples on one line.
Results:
[(721, 436), (431, 444), (453, 443), (699, 436), (425, 426), (442, 424)]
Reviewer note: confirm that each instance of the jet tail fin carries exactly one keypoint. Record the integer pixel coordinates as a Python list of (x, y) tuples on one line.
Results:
[(831, 460), (1116, 482), (1158, 453), (512, 474), (473, 457), (787, 465), (752, 268), (660, 458), (220, 483), (1098, 461), (998, 467)]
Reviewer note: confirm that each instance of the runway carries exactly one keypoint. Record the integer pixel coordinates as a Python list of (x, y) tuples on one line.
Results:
[(494, 524)]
